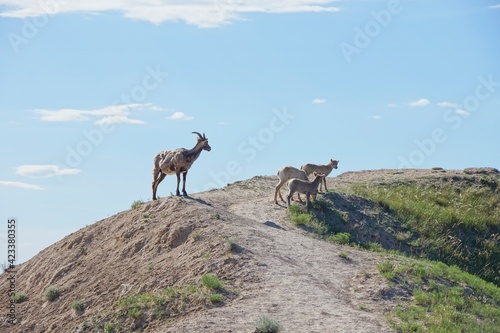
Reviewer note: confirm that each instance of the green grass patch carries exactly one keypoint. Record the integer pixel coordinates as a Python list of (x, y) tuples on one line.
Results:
[(215, 298), (169, 302), (108, 328), (211, 282), (445, 299), (307, 219), (339, 238), (457, 222), (298, 216), (136, 204), (386, 268)]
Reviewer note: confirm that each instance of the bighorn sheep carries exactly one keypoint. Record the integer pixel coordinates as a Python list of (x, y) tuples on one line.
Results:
[(323, 169), (306, 187), (168, 162), (285, 174)]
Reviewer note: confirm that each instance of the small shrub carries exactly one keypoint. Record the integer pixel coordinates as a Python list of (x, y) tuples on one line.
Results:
[(77, 306), (51, 293), (403, 236), (19, 297), (134, 313), (108, 328), (294, 210), (340, 238), (386, 268), (322, 205), (136, 204), (343, 255), (211, 282), (267, 325), (375, 247), (302, 219)]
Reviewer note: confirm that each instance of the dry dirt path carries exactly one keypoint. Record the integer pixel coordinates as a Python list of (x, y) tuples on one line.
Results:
[(299, 281)]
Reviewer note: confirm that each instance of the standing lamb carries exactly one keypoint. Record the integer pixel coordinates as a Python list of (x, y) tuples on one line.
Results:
[(306, 187), (285, 174), (323, 169), (168, 162)]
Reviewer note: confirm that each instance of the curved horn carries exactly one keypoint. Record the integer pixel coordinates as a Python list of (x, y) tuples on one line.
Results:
[(199, 135), (204, 137)]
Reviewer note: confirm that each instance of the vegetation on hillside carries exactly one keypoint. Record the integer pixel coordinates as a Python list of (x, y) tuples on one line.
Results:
[(454, 222), (440, 298), (135, 312)]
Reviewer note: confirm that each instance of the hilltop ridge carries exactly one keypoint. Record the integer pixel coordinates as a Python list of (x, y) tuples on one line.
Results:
[(268, 266)]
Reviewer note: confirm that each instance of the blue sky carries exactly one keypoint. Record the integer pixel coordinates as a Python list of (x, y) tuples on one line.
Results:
[(92, 90)]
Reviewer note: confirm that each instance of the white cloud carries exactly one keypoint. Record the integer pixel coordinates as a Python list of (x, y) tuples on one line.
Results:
[(392, 105), (118, 120), (319, 101), (494, 7), (107, 115), (179, 116), (61, 115), (21, 185), (421, 102), (202, 13), (376, 117), (462, 112), (44, 171), (447, 105)]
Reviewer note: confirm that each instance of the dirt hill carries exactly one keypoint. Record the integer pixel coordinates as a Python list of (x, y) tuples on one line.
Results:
[(269, 267)]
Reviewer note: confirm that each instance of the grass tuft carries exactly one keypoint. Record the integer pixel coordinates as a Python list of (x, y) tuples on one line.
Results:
[(211, 282), (109, 328), (215, 298), (267, 325), (19, 297), (339, 238), (51, 293), (136, 204), (386, 268), (77, 305)]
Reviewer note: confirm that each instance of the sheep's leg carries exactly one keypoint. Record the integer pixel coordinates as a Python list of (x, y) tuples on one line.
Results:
[(184, 184), (178, 174), (156, 183), (288, 197), (324, 181), (157, 178), (298, 195), (308, 202), (277, 191)]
